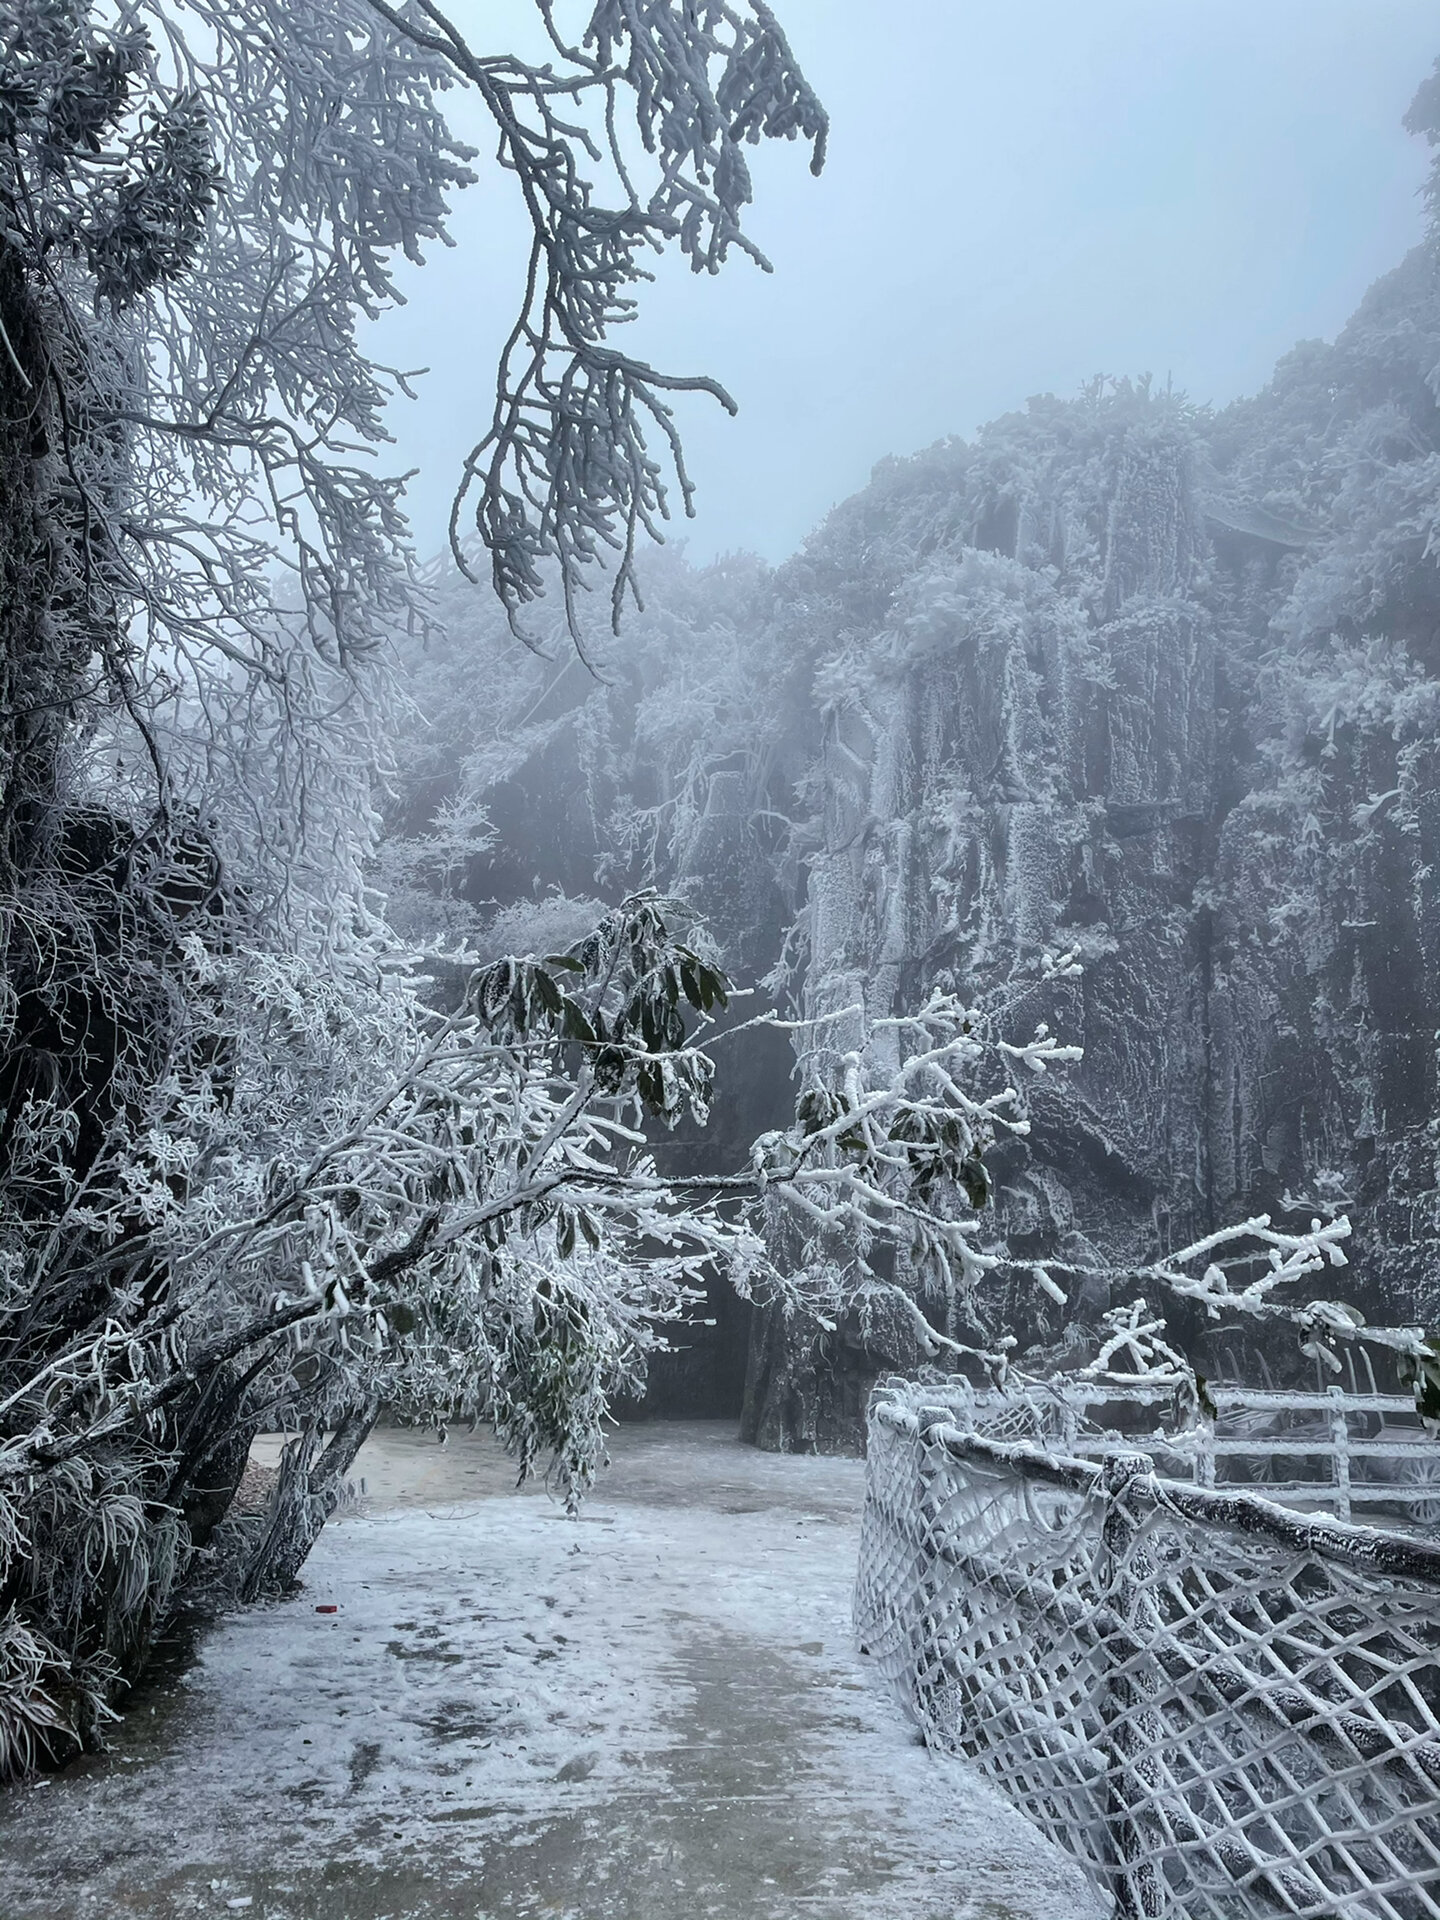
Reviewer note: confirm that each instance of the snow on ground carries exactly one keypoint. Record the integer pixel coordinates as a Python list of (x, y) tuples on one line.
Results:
[(651, 1713)]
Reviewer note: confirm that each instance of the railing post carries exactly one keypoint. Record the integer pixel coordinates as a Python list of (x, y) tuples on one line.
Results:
[(1205, 1452), (1340, 1458), (926, 1652), (1138, 1889)]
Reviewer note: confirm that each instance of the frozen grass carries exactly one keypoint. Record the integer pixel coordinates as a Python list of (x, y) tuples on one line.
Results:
[(653, 1713)]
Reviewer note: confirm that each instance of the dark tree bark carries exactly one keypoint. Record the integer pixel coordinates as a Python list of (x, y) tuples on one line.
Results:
[(308, 1491)]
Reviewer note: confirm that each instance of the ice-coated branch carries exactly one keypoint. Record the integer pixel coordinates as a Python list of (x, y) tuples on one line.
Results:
[(565, 473)]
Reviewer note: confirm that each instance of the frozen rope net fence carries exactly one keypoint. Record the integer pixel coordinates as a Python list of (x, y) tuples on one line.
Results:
[(1222, 1707)]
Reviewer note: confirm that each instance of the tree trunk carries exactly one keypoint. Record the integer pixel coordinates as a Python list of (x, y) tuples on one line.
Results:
[(38, 682), (306, 1495)]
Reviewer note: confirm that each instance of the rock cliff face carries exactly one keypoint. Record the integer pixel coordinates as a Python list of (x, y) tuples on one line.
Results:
[(1125, 677), (1160, 687)]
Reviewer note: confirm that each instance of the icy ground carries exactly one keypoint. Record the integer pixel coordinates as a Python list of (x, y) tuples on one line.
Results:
[(653, 1713)]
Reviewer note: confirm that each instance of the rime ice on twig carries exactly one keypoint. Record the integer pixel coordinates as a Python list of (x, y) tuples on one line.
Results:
[(565, 472)]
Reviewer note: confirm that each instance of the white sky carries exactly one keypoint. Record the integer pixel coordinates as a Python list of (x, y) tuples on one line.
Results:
[(1020, 194)]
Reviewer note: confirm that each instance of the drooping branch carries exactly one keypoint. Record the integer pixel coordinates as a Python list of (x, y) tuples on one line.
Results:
[(565, 473)]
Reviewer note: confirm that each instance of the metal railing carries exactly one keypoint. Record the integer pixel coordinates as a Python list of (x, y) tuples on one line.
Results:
[(1225, 1708), (1345, 1453)]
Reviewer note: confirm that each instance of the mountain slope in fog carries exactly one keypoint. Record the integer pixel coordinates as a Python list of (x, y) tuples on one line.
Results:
[(1123, 675)]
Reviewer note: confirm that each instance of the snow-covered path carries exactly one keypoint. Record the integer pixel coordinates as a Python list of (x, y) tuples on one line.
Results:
[(653, 1713)]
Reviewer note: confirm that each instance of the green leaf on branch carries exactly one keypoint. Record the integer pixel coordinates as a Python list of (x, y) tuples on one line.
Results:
[(975, 1179), (1421, 1373), (546, 991), (574, 1024)]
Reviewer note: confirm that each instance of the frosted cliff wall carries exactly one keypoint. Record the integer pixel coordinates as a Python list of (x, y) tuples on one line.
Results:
[(1123, 676)]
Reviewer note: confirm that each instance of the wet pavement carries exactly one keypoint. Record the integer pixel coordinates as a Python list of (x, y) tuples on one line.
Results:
[(651, 1713)]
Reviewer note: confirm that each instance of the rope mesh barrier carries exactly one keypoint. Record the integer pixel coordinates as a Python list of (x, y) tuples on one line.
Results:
[(1222, 1707)]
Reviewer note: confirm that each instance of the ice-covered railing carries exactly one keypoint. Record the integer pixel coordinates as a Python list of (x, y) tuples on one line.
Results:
[(1225, 1708), (1352, 1454)]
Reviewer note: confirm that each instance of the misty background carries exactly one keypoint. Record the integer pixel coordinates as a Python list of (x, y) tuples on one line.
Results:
[(1017, 198)]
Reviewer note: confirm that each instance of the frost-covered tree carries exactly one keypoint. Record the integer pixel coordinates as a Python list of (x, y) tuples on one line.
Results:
[(246, 1171)]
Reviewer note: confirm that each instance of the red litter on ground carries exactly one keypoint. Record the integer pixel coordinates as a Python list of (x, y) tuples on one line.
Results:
[(327, 1609)]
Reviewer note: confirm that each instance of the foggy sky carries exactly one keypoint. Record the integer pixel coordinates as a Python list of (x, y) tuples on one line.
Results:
[(1020, 194)]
